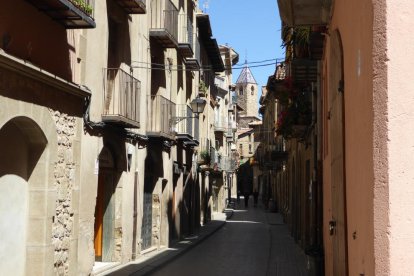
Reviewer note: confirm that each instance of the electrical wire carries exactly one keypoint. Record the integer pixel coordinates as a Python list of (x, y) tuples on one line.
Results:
[(168, 67)]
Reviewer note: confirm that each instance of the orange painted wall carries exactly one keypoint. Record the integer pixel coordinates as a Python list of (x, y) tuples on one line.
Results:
[(354, 21)]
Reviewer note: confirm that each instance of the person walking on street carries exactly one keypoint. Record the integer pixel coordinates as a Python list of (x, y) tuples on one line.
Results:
[(255, 197)]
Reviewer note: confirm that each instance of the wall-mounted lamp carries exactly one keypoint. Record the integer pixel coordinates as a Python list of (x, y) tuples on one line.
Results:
[(197, 106)]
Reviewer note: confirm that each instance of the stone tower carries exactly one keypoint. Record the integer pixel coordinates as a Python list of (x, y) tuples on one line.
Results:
[(247, 89)]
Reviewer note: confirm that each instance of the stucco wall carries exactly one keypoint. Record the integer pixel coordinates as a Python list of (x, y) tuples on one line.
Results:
[(399, 17), (349, 16)]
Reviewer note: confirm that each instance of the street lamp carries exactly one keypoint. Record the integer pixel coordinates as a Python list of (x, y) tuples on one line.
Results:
[(197, 106)]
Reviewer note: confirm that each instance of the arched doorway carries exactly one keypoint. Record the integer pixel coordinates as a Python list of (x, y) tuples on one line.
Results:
[(338, 224), (22, 170)]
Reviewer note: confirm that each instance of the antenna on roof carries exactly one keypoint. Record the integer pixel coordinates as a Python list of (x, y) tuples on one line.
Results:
[(206, 5)]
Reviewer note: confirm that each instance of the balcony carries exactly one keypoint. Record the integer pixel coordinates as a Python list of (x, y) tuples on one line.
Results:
[(72, 14), (196, 139), (305, 12), (304, 71), (164, 23), (229, 134), (133, 6), (228, 163), (160, 113), (193, 63), (183, 124), (185, 38), (233, 102), (278, 156), (220, 83), (121, 98), (220, 125), (204, 155)]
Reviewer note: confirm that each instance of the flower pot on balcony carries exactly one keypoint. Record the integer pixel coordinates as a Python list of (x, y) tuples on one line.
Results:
[(205, 158), (202, 89)]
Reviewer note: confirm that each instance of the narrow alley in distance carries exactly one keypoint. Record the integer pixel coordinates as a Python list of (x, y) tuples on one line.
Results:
[(253, 242)]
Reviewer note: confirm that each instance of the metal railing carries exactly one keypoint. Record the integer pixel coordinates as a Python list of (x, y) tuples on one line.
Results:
[(164, 15), (160, 113), (229, 131), (184, 122), (220, 124), (205, 144), (121, 94), (228, 163), (220, 83), (214, 156), (197, 129), (186, 30), (197, 50), (234, 98)]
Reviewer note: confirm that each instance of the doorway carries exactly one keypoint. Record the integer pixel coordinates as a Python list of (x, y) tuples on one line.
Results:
[(105, 209), (338, 223)]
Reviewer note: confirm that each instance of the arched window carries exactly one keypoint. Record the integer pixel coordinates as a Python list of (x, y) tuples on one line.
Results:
[(252, 90), (241, 91)]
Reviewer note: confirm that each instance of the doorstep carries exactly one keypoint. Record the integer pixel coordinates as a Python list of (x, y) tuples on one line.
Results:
[(101, 267)]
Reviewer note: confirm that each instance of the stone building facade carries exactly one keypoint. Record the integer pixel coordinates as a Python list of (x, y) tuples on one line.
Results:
[(98, 144)]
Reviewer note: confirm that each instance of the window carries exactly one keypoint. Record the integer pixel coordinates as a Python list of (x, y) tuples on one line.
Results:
[(241, 149), (250, 148), (252, 90), (241, 91)]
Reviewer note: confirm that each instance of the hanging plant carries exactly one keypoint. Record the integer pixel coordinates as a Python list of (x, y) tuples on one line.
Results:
[(296, 41), (296, 117)]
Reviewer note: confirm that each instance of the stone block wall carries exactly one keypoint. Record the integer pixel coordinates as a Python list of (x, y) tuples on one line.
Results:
[(65, 171)]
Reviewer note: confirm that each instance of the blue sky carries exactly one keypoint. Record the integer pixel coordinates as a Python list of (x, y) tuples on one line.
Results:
[(252, 28)]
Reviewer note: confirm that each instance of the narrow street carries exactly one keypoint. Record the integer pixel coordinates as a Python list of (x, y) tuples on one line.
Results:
[(253, 242)]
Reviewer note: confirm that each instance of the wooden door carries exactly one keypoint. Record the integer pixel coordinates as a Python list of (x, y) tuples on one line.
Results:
[(338, 225), (104, 216)]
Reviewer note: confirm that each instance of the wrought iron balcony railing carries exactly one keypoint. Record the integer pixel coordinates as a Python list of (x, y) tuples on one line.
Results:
[(121, 98), (72, 14), (185, 36), (228, 163), (221, 85), (160, 112), (194, 63), (164, 23), (184, 126), (220, 125)]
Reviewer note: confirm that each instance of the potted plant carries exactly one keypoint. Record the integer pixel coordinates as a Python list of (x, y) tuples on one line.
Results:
[(294, 120), (205, 157), (202, 89), (296, 41), (85, 7)]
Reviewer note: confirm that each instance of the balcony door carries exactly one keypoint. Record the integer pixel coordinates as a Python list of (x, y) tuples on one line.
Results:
[(338, 223)]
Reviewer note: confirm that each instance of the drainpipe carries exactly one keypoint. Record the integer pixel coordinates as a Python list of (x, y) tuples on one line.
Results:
[(98, 128)]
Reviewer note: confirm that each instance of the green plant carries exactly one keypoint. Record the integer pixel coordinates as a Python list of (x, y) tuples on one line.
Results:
[(296, 40), (205, 155), (81, 4), (202, 87), (296, 115)]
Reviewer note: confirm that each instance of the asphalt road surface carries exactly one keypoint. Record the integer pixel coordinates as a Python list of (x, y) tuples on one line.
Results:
[(253, 242)]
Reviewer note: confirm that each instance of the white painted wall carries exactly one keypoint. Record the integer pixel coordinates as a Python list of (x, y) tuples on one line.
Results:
[(13, 225)]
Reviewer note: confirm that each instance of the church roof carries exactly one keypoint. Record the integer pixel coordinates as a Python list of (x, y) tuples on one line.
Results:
[(246, 76)]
